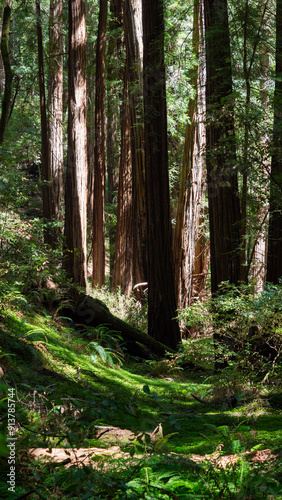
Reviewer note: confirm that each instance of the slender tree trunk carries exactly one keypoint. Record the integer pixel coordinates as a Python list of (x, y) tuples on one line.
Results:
[(45, 170), (192, 186), (274, 262), (7, 69), (202, 256), (76, 175), (98, 276), (90, 142), (91, 91), (162, 324), (2, 69), (224, 209), (55, 98), (114, 96), (246, 74)]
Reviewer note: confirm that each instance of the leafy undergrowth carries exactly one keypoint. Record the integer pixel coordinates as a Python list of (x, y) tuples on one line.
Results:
[(181, 434)]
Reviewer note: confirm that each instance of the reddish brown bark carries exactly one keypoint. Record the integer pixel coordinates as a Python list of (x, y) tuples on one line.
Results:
[(76, 174), (55, 98), (274, 262), (7, 69), (189, 247), (45, 171), (98, 275), (162, 324), (224, 208)]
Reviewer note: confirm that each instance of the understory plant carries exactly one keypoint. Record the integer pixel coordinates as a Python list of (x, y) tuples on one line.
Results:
[(249, 325)]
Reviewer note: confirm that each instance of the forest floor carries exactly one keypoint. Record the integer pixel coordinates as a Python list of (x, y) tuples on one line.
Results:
[(126, 428)]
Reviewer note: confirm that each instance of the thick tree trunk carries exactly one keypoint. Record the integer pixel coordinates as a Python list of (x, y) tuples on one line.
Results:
[(192, 186), (45, 170), (224, 209), (76, 175), (162, 324), (98, 275), (274, 262), (55, 98), (130, 257), (7, 70), (224, 206), (123, 262)]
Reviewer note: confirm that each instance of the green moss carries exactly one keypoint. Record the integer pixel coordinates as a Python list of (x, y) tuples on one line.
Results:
[(41, 358)]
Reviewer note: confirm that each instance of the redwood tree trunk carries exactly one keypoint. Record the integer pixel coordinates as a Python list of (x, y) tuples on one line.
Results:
[(161, 299), (192, 186), (7, 70), (76, 175), (123, 262), (98, 275), (55, 97), (274, 262), (114, 72), (134, 52), (45, 171), (224, 209), (130, 256)]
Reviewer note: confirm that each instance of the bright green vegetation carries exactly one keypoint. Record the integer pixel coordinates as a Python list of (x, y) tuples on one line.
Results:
[(69, 380)]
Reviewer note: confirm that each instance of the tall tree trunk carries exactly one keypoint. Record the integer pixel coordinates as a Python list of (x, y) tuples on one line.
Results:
[(2, 70), (114, 75), (130, 256), (192, 185), (98, 276), (123, 262), (90, 141), (259, 252), (224, 209), (55, 98), (134, 52), (76, 175), (274, 262), (162, 324), (45, 170), (7, 69), (246, 74), (259, 266)]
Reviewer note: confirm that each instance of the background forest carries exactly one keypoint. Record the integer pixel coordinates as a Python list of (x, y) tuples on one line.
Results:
[(141, 227)]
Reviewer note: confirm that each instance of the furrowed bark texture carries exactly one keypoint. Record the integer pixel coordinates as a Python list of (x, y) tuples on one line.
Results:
[(7, 70), (224, 208), (55, 101), (274, 262), (162, 324), (76, 175), (98, 275)]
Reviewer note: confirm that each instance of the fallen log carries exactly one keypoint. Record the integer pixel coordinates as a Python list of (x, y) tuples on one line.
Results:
[(93, 312)]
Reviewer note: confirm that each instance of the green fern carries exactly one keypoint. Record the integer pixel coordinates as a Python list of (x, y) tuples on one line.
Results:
[(105, 354)]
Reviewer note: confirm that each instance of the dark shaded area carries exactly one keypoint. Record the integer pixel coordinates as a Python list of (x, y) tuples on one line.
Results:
[(93, 312)]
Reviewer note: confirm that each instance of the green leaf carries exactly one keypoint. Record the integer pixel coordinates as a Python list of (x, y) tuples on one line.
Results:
[(146, 389)]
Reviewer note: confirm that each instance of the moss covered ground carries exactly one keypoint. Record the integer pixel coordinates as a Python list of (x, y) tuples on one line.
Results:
[(216, 435)]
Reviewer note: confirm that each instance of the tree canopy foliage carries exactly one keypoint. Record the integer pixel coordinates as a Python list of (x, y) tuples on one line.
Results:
[(215, 65)]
